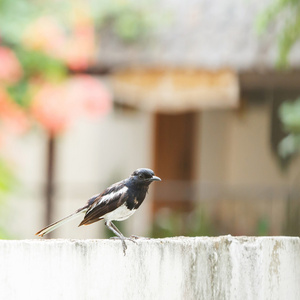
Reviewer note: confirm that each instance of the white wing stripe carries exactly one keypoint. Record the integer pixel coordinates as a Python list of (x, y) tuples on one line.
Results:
[(113, 195)]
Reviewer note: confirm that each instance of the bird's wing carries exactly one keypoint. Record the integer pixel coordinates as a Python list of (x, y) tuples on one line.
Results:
[(109, 200)]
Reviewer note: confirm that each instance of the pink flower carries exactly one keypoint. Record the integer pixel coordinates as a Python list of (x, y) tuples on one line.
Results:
[(52, 109), (91, 96), (56, 107), (10, 69)]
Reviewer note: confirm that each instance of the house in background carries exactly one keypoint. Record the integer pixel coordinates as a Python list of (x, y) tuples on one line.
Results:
[(221, 157), (224, 148)]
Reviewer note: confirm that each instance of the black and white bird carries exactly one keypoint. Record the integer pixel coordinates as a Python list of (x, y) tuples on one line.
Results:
[(117, 203)]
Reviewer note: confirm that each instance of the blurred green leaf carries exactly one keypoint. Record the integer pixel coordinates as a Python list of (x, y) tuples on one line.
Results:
[(130, 26), (15, 16), (289, 113), (289, 146), (286, 15), (4, 234), (263, 227), (199, 223), (19, 93), (37, 63), (173, 223), (129, 20), (7, 184), (7, 179)]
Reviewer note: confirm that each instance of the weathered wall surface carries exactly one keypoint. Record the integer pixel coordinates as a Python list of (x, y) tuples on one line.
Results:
[(175, 268)]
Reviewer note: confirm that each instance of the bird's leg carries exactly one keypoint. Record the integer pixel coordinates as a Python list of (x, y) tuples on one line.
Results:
[(118, 233)]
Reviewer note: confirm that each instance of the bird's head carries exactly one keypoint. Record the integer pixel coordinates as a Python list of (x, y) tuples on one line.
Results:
[(144, 176)]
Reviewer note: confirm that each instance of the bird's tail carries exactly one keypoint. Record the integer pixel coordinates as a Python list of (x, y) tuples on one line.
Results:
[(57, 224)]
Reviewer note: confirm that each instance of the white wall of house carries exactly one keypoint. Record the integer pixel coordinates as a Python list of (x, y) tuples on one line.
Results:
[(235, 149)]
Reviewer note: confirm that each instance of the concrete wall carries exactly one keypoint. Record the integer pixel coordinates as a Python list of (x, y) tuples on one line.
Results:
[(175, 268)]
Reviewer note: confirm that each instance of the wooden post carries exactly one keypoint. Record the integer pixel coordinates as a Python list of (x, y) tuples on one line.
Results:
[(49, 189)]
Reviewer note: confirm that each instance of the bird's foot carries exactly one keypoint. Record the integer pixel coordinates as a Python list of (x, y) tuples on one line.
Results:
[(131, 238), (123, 239), (136, 237), (124, 244)]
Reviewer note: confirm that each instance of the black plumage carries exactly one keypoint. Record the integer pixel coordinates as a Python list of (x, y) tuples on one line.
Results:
[(117, 203)]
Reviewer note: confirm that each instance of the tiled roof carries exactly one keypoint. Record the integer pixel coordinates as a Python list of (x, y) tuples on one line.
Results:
[(210, 34)]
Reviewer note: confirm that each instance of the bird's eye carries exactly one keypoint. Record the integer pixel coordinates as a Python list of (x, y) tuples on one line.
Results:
[(141, 176)]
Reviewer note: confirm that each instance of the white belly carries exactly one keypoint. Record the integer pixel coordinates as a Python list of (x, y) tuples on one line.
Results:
[(119, 214)]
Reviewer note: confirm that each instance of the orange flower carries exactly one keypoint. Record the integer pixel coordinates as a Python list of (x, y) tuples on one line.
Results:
[(75, 47), (80, 50), (10, 69), (12, 117), (45, 35)]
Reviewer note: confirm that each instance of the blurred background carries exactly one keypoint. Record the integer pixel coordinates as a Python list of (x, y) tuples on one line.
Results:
[(206, 93)]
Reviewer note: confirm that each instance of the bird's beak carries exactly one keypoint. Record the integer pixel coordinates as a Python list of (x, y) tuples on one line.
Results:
[(155, 178)]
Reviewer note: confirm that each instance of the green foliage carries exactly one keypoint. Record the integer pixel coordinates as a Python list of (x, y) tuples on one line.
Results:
[(289, 146), (130, 26), (196, 223), (129, 20), (7, 179), (15, 16), (291, 224), (36, 62), (4, 235), (263, 227), (19, 92), (289, 114), (7, 183), (285, 14), (167, 224)]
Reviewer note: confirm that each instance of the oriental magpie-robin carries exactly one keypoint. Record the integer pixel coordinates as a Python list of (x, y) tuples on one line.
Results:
[(117, 203)]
